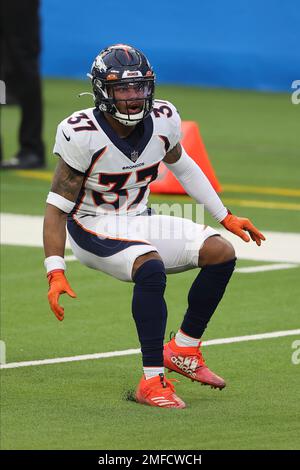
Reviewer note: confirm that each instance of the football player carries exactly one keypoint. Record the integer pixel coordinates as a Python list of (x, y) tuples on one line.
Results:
[(108, 156)]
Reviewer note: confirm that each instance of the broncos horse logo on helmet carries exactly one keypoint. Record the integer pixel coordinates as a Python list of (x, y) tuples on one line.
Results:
[(122, 68)]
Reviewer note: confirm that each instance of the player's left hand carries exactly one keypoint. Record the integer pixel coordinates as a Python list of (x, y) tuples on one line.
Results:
[(238, 225), (58, 285)]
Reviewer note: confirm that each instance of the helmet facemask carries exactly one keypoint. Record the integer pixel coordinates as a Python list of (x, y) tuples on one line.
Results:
[(128, 100), (123, 83)]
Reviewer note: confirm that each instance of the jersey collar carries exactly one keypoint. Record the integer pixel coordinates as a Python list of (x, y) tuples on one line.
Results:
[(131, 152)]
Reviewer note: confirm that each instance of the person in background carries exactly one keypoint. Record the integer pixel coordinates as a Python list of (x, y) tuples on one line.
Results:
[(20, 48)]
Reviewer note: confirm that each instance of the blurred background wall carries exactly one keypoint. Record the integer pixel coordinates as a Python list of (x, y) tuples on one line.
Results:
[(252, 44)]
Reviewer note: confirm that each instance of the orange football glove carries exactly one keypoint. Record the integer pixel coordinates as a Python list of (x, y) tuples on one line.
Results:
[(237, 225), (58, 285)]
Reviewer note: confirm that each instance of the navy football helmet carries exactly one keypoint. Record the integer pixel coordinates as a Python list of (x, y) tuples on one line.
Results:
[(126, 69)]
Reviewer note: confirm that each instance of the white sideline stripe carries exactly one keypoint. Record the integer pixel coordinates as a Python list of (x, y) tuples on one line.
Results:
[(128, 352), (266, 267), (246, 270), (70, 258), (26, 230)]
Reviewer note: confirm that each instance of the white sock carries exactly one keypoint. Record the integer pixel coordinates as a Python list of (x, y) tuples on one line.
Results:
[(186, 341), (151, 372)]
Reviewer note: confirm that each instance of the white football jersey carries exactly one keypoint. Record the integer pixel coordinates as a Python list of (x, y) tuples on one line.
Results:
[(117, 171)]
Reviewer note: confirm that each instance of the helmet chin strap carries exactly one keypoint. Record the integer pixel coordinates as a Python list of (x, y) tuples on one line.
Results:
[(123, 118)]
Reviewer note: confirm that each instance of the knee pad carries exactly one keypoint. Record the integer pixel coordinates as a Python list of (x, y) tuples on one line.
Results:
[(151, 274)]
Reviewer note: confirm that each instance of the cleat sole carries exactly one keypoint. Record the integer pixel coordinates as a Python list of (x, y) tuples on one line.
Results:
[(195, 380)]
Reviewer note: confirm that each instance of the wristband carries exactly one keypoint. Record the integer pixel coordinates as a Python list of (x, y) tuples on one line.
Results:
[(54, 262)]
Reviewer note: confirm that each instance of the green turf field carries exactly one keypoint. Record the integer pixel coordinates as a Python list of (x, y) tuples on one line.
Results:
[(252, 140)]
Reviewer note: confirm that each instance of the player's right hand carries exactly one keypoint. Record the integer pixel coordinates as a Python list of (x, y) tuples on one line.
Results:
[(58, 285)]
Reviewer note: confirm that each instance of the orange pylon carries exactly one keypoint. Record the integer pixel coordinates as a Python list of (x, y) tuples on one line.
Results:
[(194, 146)]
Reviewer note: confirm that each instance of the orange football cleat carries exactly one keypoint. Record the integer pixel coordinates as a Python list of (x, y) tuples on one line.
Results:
[(158, 391), (190, 363)]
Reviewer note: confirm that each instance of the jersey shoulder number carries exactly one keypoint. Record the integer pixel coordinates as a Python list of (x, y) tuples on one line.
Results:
[(167, 121), (73, 139)]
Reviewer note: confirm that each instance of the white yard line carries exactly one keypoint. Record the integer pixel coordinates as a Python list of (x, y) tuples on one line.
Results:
[(129, 352), (266, 267)]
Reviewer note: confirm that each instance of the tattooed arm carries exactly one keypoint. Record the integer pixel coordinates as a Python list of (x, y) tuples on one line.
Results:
[(67, 183)]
